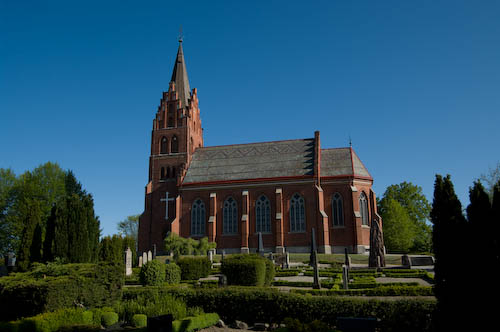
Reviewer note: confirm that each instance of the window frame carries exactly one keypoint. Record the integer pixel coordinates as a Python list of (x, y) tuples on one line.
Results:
[(363, 209), (230, 217), (198, 222), (338, 210), (297, 214), (263, 211)]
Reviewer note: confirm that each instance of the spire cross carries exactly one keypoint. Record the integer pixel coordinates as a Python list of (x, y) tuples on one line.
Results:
[(166, 200)]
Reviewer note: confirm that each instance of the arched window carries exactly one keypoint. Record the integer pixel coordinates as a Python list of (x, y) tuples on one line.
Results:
[(262, 215), (230, 217), (175, 145), (363, 207), (162, 173), (297, 214), (170, 121), (337, 210), (164, 145), (198, 218)]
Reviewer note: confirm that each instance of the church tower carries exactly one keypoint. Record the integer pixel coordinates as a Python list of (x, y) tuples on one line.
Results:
[(176, 133)]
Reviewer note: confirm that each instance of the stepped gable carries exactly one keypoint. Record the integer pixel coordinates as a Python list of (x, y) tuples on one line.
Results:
[(292, 158)]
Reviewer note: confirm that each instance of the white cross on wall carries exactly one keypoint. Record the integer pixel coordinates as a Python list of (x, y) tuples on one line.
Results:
[(166, 200)]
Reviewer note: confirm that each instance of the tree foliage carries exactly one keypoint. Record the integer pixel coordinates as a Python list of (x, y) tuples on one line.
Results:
[(129, 226), (399, 229), (186, 246), (491, 178), (411, 198)]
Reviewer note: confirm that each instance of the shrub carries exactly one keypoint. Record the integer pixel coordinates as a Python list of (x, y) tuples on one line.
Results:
[(109, 318), (248, 270), (152, 273), (50, 321), (56, 286), (194, 268), (196, 323), (139, 320), (172, 273), (152, 304)]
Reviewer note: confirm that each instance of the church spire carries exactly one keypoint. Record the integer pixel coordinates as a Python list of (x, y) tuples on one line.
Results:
[(180, 77)]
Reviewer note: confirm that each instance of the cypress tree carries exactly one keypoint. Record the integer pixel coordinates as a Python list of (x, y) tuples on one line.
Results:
[(60, 246), (479, 216), (449, 230), (48, 243), (31, 220), (495, 213)]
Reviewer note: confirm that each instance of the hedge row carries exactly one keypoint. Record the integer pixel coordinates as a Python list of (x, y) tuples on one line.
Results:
[(248, 270), (196, 323), (389, 290), (194, 268), (269, 305), (48, 288), (50, 321)]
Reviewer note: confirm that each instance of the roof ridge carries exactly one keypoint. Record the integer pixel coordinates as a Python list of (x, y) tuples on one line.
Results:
[(254, 143)]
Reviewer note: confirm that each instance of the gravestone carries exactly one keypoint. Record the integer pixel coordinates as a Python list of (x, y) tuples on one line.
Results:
[(345, 276), (287, 260), (210, 255), (154, 251), (316, 282), (11, 261), (144, 257), (347, 260), (376, 257), (128, 262), (223, 254), (140, 261), (150, 256), (222, 280), (260, 248), (160, 323), (313, 247)]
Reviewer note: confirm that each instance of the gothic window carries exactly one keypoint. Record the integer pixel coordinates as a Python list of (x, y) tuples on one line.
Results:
[(170, 121), (175, 145), (297, 214), (263, 215), (337, 210), (162, 173), (230, 217), (164, 145), (198, 218), (363, 207)]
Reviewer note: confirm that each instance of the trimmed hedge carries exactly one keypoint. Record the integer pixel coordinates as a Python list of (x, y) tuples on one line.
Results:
[(194, 268), (139, 320), (248, 270), (54, 286), (152, 273), (172, 274), (49, 322), (390, 290), (196, 323), (269, 305), (109, 318)]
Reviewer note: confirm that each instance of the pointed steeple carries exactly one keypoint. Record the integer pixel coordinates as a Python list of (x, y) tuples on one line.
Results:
[(180, 77)]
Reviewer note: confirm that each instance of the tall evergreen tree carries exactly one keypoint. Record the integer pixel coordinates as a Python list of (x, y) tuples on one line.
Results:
[(31, 218), (495, 212), (479, 217), (449, 230)]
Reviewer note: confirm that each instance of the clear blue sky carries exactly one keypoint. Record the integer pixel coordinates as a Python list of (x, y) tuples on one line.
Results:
[(415, 84)]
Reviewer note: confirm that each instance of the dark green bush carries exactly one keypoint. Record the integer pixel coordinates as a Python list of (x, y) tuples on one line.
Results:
[(109, 318), (139, 320), (194, 268), (49, 322), (151, 303), (152, 273), (248, 270), (268, 305), (172, 273), (196, 323), (55, 286)]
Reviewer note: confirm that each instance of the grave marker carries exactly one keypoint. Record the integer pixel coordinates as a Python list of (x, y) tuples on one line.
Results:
[(128, 262)]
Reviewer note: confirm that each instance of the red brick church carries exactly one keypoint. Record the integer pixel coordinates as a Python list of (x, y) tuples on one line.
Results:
[(230, 193)]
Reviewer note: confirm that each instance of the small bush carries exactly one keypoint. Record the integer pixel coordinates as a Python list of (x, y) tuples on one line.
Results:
[(194, 268), (109, 318), (244, 270), (152, 273), (172, 274), (196, 323), (139, 320), (152, 304)]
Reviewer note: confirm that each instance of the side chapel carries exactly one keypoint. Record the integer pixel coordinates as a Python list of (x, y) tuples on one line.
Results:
[(230, 193)]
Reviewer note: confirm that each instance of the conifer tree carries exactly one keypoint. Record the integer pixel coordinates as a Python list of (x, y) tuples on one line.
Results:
[(31, 219), (479, 217), (449, 228)]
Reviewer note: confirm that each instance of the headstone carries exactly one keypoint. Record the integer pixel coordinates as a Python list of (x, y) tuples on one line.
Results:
[(376, 245), (140, 261), (150, 256), (222, 280), (347, 260), (210, 255), (345, 276), (287, 260), (11, 261), (316, 282), (128, 262), (223, 254), (260, 248), (154, 251), (313, 247), (144, 257), (160, 323)]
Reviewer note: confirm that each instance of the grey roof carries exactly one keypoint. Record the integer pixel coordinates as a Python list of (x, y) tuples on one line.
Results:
[(252, 161), (180, 77), (341, 161)]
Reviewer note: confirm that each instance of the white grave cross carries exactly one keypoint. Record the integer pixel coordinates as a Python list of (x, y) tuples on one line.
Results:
[(166, 200)]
